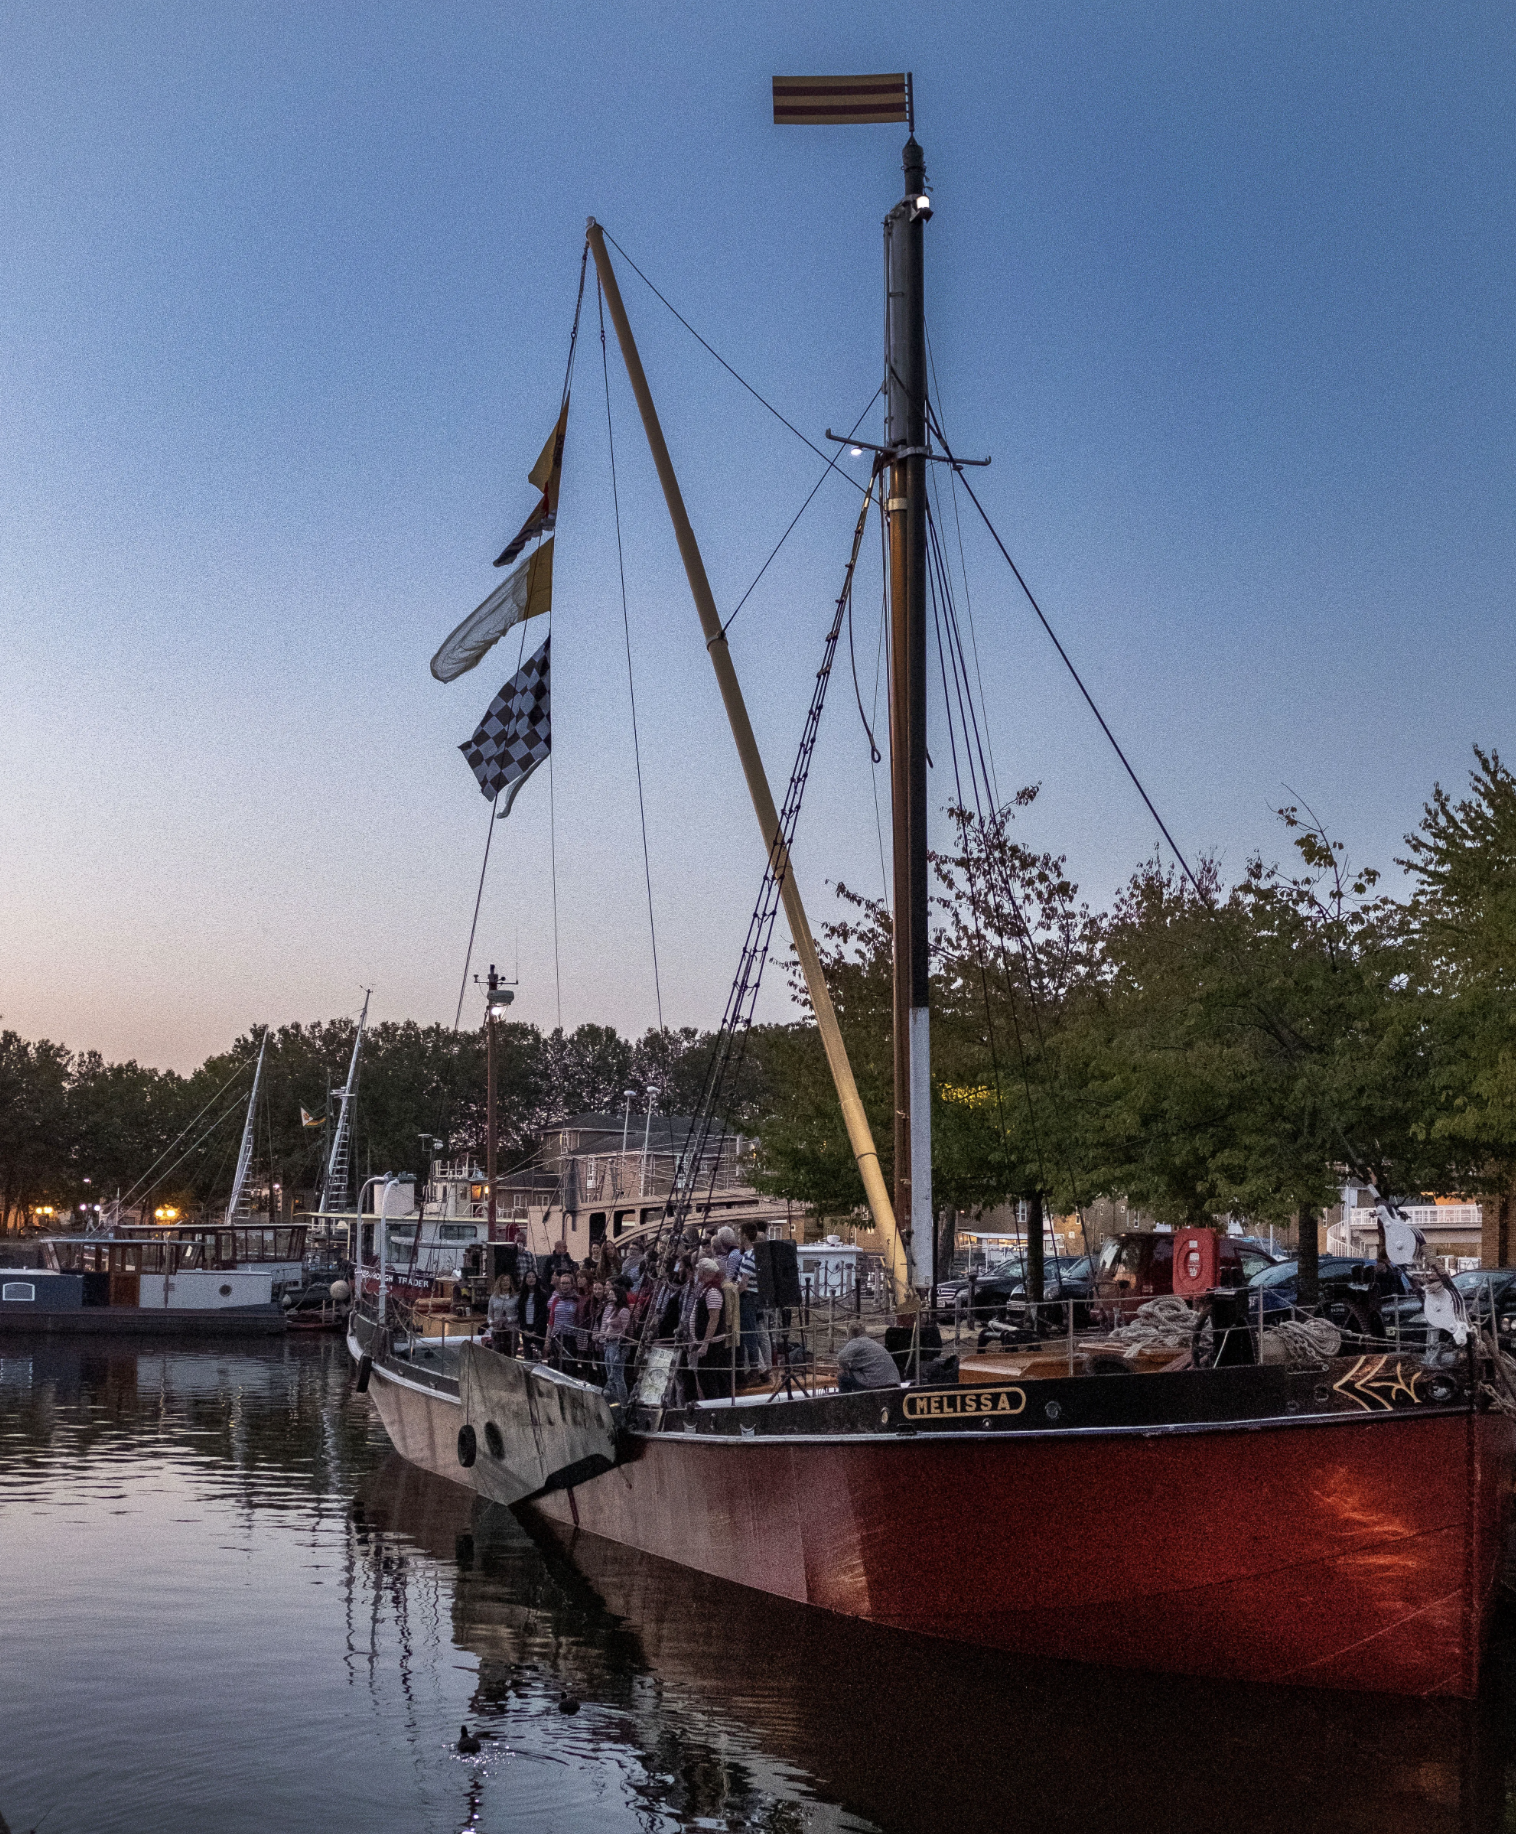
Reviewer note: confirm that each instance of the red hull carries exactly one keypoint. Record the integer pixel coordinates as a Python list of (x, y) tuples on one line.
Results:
[(1342, 1553), (1359, 1555)]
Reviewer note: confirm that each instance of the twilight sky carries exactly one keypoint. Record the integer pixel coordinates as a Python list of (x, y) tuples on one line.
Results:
[(1227, 293)]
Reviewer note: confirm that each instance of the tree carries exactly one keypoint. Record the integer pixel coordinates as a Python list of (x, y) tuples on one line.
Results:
[(1462, 928), (33, 1126), (1240, 1047), (803, 1148)]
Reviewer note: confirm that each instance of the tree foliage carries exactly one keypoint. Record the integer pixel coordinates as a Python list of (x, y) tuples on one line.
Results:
[(1201, 1048)]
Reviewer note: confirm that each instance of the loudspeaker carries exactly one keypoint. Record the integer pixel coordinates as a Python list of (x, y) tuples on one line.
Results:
[(778, 1274)]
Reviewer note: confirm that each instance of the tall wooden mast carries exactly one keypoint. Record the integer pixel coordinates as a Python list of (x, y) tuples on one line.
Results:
[(905, 389), (860, 1139)]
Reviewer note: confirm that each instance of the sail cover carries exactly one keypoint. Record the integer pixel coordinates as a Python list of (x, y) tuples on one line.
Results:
[(831, 101), (526, 593), (515, 735)]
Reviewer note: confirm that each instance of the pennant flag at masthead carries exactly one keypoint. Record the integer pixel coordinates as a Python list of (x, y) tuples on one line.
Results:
[(515, 735), (831, 101)]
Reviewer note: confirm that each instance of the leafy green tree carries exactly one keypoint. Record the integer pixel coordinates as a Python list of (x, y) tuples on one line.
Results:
[(804, 1152), (1239, 1048), (1462, 926), (33, 1127)]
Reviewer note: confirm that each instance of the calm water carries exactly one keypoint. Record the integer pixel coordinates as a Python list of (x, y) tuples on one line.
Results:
[(226, 1606)]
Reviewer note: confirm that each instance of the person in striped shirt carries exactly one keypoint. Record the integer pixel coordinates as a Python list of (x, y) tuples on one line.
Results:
[(747, 1300)]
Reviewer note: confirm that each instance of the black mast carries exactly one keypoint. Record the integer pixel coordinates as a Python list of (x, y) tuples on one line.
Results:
[(905, 386)]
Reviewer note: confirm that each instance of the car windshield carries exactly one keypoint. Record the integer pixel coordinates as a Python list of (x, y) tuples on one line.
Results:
[(1121, 1258), (1329, 1267), (1495, 1278)]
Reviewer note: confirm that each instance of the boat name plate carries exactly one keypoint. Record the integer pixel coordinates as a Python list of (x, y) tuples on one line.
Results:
[(958, 1403)]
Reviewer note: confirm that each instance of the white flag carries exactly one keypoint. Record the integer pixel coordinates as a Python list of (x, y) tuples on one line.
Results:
[(522, 594)]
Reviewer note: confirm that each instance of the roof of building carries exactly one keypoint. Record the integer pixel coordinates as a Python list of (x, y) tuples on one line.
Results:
[(663, 1128)]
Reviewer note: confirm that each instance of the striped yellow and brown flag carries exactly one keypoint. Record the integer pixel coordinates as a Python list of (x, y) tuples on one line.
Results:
[(830, 101)]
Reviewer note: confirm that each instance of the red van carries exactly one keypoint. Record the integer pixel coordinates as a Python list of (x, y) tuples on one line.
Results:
[(1140, 1265)]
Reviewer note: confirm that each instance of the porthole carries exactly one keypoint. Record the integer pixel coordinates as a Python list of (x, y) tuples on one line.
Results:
[(225, 1292), (493, 1443), (468, 1446), (1322, 1395), (1052, 1410)]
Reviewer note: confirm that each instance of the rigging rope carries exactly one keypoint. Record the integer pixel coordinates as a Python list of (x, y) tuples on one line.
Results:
[(736, 1021), (831, 465), (963, 564), (142, 1179), (468, 954), (1067, 662), (950, 650), (626, 627), (831, 461)]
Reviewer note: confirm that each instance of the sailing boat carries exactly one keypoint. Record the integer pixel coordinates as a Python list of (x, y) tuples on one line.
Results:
[(1334, 1525), (219, 1277)]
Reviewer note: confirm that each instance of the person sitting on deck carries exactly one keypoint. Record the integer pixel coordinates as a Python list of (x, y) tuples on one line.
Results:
[(863, 1362)]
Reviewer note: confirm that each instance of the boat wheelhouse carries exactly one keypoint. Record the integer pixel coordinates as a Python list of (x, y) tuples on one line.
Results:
[(207, 1267)]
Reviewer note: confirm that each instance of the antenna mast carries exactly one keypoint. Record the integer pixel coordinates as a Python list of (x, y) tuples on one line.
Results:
[(334, 1186), (245, 1152)]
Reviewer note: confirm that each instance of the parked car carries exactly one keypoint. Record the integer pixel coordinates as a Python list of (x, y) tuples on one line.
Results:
[(991, 1288), (1358, 1296), (1139, 1265), (1065, 1278), (1490, 1292)]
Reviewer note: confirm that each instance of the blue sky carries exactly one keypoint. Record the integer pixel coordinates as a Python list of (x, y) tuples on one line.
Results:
[(1227, 293)]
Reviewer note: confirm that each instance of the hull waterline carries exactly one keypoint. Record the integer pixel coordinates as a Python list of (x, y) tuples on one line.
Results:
[(1337, 1552)]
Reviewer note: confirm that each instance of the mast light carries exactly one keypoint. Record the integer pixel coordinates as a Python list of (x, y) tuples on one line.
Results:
[(921, 207)]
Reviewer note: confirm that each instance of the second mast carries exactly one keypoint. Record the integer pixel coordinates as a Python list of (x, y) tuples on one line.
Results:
[(905, 436)]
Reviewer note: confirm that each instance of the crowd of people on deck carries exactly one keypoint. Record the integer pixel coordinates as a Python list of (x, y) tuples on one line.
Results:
[(586, 1318)]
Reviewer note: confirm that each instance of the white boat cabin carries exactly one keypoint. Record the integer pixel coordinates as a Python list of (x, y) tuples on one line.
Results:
[(196, 1267)]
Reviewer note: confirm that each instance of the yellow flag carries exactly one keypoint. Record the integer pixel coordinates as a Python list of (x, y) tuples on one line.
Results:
[(546, 474)]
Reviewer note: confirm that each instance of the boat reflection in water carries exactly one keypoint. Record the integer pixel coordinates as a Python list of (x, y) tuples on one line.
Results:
[(727, 1694)]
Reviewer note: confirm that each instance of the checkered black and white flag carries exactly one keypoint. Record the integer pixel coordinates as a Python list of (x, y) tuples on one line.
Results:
[(515, 735)]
